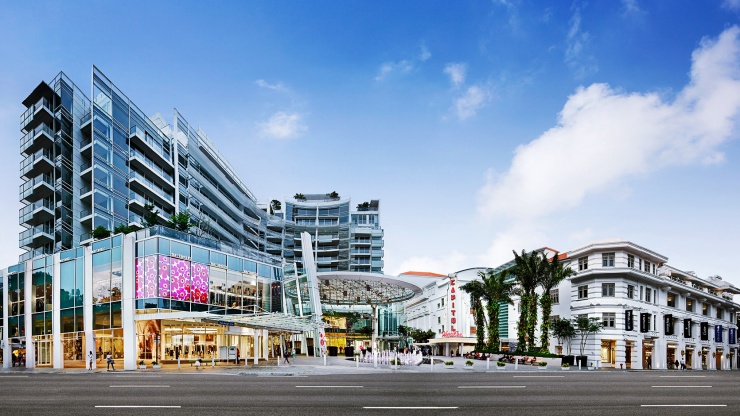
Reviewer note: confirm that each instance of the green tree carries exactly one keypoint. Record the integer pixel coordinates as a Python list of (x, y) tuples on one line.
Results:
[(125, 229), (477, 291), (275, 205), (556, 273), (497, 290), (529, 270), (100, 232), (299, 197), (586, 326), (333, 195), (564, 330), (180, 221), (151, 216)]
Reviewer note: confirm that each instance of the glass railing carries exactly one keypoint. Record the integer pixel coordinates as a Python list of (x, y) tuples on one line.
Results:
[(87, 117), (149, 163), (85, 212), (46, 229), (27, 187), (133, 196), (28, 209), (153, 186), (155, 145), (27, 116), (31, 135), (27, 163)]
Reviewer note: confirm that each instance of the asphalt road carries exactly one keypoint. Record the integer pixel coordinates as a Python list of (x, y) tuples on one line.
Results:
[(454, 393)]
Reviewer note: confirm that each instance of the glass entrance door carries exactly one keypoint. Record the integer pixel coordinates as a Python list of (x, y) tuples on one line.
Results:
[(43, 352)]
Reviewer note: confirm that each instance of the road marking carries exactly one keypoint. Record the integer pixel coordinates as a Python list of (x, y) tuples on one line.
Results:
[(683, 387), (13, 376), (682, 376), (491, 387), (539, 376), (138, 376), (146, 407), (409, 407), (142, 387), (331, 387), (683, 405)]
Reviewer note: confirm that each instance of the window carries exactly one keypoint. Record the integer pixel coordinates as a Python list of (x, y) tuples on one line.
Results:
[(630, 261), (630, 291), (647, 266), (704, 310), (641, 292), (439, 320), (720, 313), (555, 296), (607, 289), (690, 305), (648, 292), (655, 296), (653, 268), (671, 300), (608, 319), (655, 321), (607, 260), (583, 263), (582, 292)]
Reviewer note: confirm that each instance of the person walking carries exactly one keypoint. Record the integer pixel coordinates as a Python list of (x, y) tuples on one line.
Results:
[(676, 365), (109, 360), (237, 356), (649, 362), (90, 358), (286, 355), (683, 364)]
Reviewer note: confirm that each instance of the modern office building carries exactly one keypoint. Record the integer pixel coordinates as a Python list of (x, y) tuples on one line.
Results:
[(98, 163), (344, 239)]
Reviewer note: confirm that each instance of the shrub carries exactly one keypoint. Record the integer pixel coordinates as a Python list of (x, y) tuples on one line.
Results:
[(543, 364), (501, 364), (155, 363), (449, 363), (469, 363), (141, 362), (565, 365)]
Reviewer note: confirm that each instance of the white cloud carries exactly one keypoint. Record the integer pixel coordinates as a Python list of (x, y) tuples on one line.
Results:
[(605, 136), (275, 87), (425, 54), (577, 40), (731, 4), (631, 6), (456, 72), (474, 99), (282, 125), (444, 264), (389, 68)]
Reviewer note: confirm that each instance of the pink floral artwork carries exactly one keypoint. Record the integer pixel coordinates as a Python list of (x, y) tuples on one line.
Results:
[(139, 278), (199, 288), (164, 277), (180, 279), (150, 277)]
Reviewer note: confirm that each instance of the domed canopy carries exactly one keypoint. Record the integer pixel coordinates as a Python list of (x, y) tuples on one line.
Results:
[(358, 288)]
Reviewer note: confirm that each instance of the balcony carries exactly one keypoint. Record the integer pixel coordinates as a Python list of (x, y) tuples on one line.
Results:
[(37, 188), (36, 236), (37, 213), (145, 186), (150, 147), (361, 242), (86, 123), (86, 218), (36, 139), (363, 252), (37, 114), (139, 201), (37, 163), (139, 160)]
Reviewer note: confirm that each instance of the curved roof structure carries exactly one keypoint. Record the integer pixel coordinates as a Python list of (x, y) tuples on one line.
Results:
[(358, 288)]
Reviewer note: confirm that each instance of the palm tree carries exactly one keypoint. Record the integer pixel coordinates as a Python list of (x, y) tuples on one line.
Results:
[(498, 290), (477, 290), (529, 269), (556, 274)]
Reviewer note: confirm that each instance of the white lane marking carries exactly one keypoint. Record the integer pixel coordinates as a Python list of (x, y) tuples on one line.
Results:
[(682, 376), (409, 407), (682, 387), (683, 405), (143, 406), (491, 387), (539, 376), (141, 387), (138, 376), (331, 387), (13, 376)]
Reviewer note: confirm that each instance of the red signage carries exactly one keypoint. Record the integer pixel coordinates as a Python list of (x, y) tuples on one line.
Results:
[(453, 319)]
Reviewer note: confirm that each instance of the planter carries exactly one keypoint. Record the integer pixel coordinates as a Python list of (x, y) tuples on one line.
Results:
[(583, 360), (501, 367), (142, 367), (468, 367), (565, 368), (449, 367), (569, 359), (157, 367), (542, 367)]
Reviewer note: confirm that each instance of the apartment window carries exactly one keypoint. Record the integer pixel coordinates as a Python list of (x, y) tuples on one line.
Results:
[(607, 289), (641, 292), (443, 301), (705, 309), (583, 263), (439, 320), (608, 319), (648, 292), (639, 264), (583, 292), (690, 305), (555, 296), (630, 261), (720, 313), (630, 291), (653, 268), (607, 260), (647, 266), (655, 296), (671, 300), (655, 321)]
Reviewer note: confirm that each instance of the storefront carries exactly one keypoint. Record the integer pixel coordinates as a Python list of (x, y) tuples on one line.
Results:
[(628, 352), (689, 356), (608, 352), (671, 353), (647, 354)]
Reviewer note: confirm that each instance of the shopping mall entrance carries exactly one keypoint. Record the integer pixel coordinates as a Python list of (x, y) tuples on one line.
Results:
[(689, 356), (608, 352), (718, 359), (647, 354), (670, 354)]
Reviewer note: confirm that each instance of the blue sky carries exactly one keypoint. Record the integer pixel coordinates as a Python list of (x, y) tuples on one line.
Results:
[(481, 126)]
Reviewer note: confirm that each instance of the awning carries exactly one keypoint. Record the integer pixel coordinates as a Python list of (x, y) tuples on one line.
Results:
[(453, 340), (270, 321)]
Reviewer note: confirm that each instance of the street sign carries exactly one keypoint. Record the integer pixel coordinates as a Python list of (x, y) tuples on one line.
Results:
[(227, 323)]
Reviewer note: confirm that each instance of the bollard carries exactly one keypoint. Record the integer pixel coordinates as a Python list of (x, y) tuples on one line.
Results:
[(516, 364), (431, 360), (357, 361), (579, 365), (213, 361), (178, 363), (488, 363)]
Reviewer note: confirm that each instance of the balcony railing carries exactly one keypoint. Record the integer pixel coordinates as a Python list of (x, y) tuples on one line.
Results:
[(28, 138), (29, 114), (150, 164), (153, 186), (27, 165)]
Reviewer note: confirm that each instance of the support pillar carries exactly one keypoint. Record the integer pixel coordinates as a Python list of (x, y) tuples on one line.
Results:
[(256, 346)]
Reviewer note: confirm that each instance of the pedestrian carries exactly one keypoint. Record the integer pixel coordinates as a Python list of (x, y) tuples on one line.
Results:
[(286, 355), (237, 356), (676, 365), (90, 358), (177, 354), (649, 363), (109, 360), (683, 364)]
